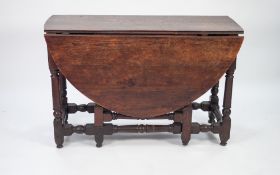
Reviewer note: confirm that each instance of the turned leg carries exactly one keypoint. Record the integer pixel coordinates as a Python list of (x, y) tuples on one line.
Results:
[(58, 110), (226, 121), (214, 101), (64, 99), (98, 123), (58, 132), (186, 124)]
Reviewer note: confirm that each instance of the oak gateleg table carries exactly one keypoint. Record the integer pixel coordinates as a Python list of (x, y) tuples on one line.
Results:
[(142, 67)]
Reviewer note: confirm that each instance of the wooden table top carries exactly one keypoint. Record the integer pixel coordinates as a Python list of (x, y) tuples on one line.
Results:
[(142, 24)]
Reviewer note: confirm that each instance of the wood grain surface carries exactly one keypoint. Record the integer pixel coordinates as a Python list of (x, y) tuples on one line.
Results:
[(143, 75), (142, 24)]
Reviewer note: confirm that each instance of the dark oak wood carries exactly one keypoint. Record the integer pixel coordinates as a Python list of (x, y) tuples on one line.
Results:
[(142, 67), (98, 122), (64, 100), (58, 110), (109, 129), (186, 124), (58, 132), (73, 108), (226, 124), (142, 24), (214, 100), (143, 76)]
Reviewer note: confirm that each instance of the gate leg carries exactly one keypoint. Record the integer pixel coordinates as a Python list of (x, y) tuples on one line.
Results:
[(186, 124), (214, 100), (226, 121), (59, 110), (98, 122)]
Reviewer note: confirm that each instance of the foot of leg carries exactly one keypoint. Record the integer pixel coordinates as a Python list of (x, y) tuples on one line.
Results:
[(223, 143), (185, 141), (59, 146), (99, 140), (211, 117), (58, 132), (186, 125), (225, 131)]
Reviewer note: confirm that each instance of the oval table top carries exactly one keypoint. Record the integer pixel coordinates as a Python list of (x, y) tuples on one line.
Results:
[(142, 66), (141, 24), (142, 75)]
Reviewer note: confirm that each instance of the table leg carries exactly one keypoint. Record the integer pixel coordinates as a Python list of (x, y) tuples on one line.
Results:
[(226, 121), (186, 124), (58, 110), (64, 99), (214, 100), (98, 123)]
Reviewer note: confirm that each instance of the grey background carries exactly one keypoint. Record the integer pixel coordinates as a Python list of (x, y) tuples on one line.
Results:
[(27, 146)]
